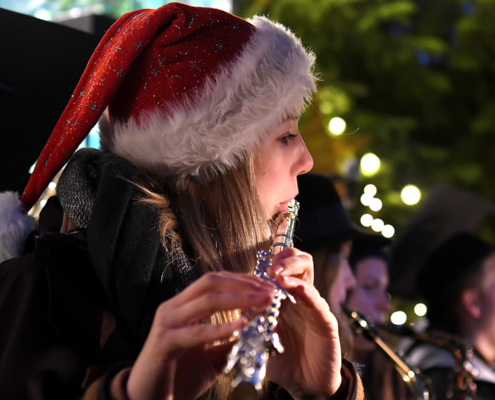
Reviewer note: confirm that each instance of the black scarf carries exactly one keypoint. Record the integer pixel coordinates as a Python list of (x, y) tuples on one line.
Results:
[(126, 251)]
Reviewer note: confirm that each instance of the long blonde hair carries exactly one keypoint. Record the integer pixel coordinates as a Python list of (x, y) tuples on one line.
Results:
[(220, 225)]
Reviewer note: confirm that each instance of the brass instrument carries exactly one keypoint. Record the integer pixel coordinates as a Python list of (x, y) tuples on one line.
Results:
[(416, 383), (258, 339), (462, 385)]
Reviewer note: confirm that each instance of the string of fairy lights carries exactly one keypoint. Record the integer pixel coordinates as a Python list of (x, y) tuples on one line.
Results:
[(410, 195), (369, 166)]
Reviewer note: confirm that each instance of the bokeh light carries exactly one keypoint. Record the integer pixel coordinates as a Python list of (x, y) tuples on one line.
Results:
[(377, 225), (420, 309), (388, 231), (366, 199), (370, 164), (398, 318), (366, 220), (337, 126), (376, 204), (326, 107), (410, 195), (370, 190)]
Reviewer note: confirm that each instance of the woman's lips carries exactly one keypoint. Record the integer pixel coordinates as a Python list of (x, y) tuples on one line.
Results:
[(285, 205)]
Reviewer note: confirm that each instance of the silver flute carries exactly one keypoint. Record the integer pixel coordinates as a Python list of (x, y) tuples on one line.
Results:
[(258, 339)]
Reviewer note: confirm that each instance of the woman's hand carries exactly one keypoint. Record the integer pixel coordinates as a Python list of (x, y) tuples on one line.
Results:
[(308, 330), (176, 361)]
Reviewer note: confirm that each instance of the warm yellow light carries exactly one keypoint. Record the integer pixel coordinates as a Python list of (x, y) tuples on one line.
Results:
[(377, 225), (326, 107), (388, 231), (366, 220), (370, 164), (420, 309), (410, 195), (398, 318), (370, 190), (337, 126), (366, 199), (376, 204)]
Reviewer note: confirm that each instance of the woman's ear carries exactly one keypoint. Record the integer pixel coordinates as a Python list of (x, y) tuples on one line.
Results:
[(471, 302)]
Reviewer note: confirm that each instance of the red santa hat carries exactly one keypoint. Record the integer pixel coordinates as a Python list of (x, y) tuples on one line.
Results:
[(189, 92)]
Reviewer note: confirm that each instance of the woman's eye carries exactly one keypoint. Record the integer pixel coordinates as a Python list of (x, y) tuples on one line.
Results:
[(285, 139)]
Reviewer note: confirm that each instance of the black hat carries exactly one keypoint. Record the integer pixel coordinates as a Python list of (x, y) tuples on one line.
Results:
[(449, 265), (41, 64), (323, 219)]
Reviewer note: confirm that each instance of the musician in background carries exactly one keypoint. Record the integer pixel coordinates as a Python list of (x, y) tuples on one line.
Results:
[(458, 283), (327, 233), (369, 263)]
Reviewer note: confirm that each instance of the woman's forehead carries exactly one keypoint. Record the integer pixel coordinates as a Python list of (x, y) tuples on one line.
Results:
[(372, 266)]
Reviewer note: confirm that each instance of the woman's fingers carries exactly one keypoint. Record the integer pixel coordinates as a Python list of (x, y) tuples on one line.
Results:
[(168, 354), (219, 282), (293, 262), (179, 340), (211, 302), (306, 294)]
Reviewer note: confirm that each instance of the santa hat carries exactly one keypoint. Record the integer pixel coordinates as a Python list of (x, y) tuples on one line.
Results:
[(189, 92)]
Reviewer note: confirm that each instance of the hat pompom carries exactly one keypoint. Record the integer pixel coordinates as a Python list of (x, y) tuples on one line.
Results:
[(15, 226)]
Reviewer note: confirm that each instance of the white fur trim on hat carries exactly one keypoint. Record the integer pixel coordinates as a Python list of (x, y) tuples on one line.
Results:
[(272, 77), (15, 226)]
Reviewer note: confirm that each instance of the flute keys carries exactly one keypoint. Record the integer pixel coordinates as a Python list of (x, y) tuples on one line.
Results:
[(285, 294), (277, 344), (233, 358)]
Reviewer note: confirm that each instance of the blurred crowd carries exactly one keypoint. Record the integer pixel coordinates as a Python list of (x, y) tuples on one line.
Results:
[(453, 353)]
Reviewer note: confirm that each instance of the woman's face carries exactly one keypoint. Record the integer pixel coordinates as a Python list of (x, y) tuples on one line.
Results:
[(370, 294), (345, 280), (280, 158)]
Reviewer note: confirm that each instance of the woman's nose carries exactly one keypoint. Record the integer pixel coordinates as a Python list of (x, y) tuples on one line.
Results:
[(350, 280), (384, 304), (305, 161)]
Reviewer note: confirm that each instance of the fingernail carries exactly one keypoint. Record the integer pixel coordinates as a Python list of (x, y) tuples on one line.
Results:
[(276, 268), (287, 279)]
